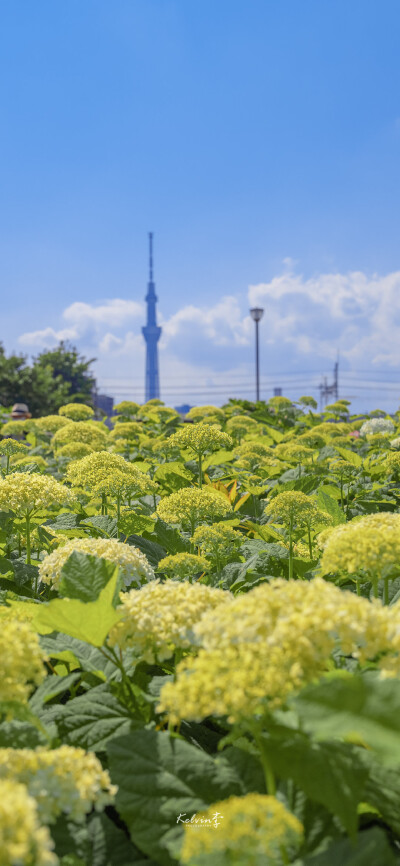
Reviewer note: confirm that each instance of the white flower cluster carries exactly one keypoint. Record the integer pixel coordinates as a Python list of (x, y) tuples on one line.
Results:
[(133, 564), (377, 425)]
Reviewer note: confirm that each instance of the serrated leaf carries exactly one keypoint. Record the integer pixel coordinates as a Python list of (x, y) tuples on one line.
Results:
[(361, 709), (90, 720), (84, 576), (218, 457), (151, 549), (65, 520), (351, 456), (264, 531), (52, 686), (104, 525), (20, 735), (159, 778), (371, 848), (328, 504), (89, 622), (330, 773), (88, 657)]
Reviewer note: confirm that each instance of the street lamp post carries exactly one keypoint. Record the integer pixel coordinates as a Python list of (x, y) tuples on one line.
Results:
[(257, 314)]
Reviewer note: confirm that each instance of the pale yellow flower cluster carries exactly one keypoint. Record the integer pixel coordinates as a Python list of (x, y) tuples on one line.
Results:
[(159, 618), (296, 508), (191, 506), (254, 447), (13, 428), (23, 842), (200, 438), (183, 565), (294, 452), (392, 463), (216, 539), (12, 446), (22, 660), (74, 450), (369, 545), (28, 460), (26, 495), (127, 430), (102, 472), (239, 425), (280, 403), (134, 566), (50, 423), (269, 643), (87, 432), (66, 779), (242, 831), (197, 413), (127, 408), (76, 411)]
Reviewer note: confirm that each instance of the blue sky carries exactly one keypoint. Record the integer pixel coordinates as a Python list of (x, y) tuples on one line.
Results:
[(259, 140)]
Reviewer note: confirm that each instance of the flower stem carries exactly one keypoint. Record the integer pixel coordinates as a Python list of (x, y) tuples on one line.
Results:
[(28, 539), (386, 590), (200, 472), (290, 549)]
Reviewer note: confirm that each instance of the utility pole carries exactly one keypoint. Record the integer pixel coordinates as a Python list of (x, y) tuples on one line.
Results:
[(257, 314)]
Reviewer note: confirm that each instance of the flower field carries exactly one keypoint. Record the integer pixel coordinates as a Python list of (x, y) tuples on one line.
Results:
[(200, 637)]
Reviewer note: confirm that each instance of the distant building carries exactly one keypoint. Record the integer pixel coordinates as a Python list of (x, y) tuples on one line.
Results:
[(184, 409), (152, 334), (277, 392), (104, 403)]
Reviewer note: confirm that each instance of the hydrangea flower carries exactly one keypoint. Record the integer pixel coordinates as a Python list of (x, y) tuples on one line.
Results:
[(134, 566), (269, 643), (76, 411), (200, 438), (22, 659), (377, 425), (87, 432), (127, 408), (183, 565), (75, 450), (159, 617), (368, 546), (66, 780), (256, 828), (198, 413), (191, 506), (24, 496), (51, 423), (23, 842)]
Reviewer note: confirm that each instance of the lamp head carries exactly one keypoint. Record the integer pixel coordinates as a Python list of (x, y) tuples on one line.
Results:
[(256, 313)]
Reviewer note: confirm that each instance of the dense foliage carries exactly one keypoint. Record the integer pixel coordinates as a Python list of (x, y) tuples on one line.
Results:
[(200, 637), (48, 381)]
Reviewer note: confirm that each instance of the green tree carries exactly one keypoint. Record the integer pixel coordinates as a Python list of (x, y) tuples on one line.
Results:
[(65, 361), (49, 382)]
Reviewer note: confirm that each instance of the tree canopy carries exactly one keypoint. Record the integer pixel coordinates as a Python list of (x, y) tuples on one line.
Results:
[(49, 381)]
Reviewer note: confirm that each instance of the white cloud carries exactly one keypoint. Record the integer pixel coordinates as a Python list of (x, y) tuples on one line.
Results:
[(113, 313), (47, 338), (306, 321)]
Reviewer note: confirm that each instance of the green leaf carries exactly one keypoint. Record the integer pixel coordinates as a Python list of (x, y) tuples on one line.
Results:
[(264, 531), (160, 778), (90, 621), (351, 456), (275, 435), (131, 522), (90, 659), (20, 735), (99, 842), (153, 551), (90, 720), (65, 520), (371, 849), (173, 475), (84, 576), (104, 525), (52, 686), (361, 709), (330, 773), (24, 573), (169, 538), (331, 507), (221, 456)]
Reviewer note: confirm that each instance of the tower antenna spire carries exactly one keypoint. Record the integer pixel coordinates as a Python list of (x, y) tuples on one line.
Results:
[(152, 333), (151, 256)]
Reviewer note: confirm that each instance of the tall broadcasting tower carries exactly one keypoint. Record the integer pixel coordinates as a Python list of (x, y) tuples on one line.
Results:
[(151, 333)]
